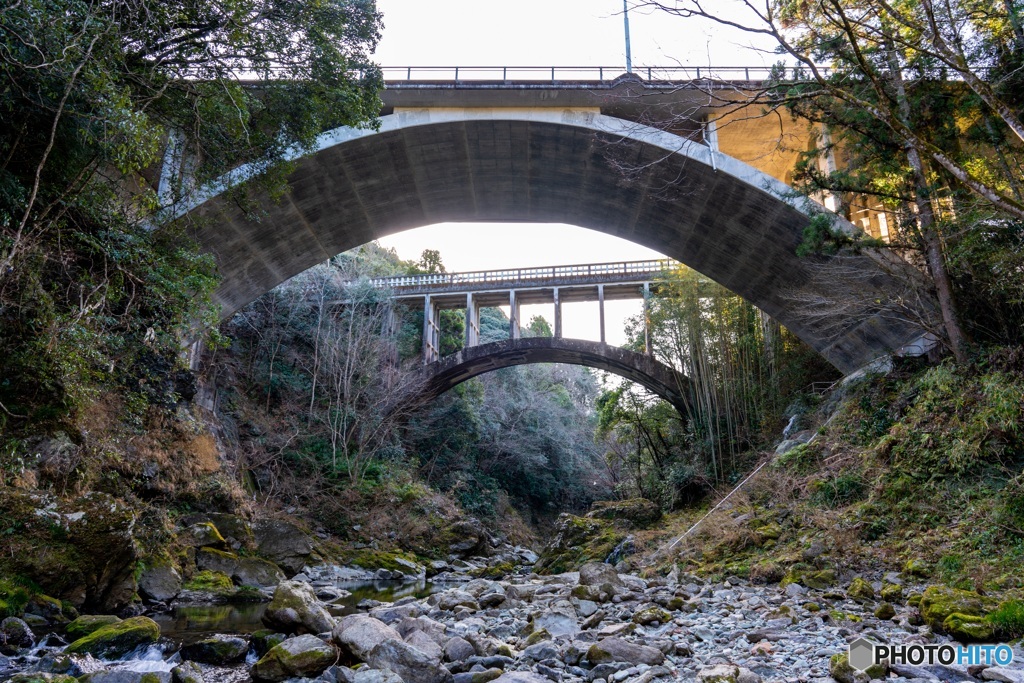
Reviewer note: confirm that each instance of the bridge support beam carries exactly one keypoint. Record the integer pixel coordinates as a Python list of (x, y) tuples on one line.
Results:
[(431, 331), (648, 349), (472, 321), (513, 315), (600, 306), (558, 314)]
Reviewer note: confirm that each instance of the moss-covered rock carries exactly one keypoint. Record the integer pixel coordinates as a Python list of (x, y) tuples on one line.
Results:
[(305, 655), (969, 629), (860, 590), (917, 568), (578, 540), (42, 678), (264, 639), (839, 668), (205, 535), (809, 578), (116, 640), (209, 580), (892, 592), (219, 649), (89, 623), (938, 602), (538, 636), (635, 513), (651, 614), (295, 609), (885, 610)]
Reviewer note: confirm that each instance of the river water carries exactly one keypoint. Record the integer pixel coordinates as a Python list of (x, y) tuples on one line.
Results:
[(189, 624)]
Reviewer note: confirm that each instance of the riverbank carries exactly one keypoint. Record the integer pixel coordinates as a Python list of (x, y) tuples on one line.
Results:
[(591, 626)]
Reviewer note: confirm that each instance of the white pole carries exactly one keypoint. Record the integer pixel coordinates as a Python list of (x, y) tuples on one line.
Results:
[(625, 19)]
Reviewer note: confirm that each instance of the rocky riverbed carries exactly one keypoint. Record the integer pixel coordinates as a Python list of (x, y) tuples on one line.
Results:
[(594, 625)]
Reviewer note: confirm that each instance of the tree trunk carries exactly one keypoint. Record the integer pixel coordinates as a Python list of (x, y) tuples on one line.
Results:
[(934, 255)]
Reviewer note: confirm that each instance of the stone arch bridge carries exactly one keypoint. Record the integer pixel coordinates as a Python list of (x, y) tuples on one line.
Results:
[(543, 149), (517, 286)]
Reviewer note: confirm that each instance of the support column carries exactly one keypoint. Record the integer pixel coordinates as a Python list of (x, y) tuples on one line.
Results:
[(472, 321), (431, 352), (558, 315), (600, 306), (648, 349), (513, 314)]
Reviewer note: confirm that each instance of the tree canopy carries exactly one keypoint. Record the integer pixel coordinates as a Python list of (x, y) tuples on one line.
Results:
[(90, 93)]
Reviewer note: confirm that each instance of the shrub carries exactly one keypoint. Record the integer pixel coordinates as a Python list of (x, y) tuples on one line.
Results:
[(1008, 619)]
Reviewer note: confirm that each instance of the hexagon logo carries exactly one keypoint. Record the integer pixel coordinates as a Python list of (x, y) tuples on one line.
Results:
[(861, 654)]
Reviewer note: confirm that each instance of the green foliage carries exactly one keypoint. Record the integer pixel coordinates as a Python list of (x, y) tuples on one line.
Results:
[(961, 422), (14, 596), (92, 299), (1008, 619), (820, 237), (842, 489)]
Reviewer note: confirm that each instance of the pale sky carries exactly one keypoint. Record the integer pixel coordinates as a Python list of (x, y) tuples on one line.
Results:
[(544, 33)]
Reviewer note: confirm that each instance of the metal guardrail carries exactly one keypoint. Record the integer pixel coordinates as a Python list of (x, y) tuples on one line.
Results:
[(526, 275), (554, 74)]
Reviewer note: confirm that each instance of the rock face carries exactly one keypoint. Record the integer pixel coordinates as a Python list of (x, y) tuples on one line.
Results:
[(637, 513), (160, 582), (116, 640), (301, 656), (80, 550), (283, 543), (244, 571), (295, 609)]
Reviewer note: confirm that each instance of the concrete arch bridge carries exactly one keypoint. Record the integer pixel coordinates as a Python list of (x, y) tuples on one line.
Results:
[(548, 149)]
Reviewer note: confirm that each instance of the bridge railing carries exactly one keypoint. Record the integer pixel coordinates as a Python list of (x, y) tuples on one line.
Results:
[(527, 275), (555, 74)]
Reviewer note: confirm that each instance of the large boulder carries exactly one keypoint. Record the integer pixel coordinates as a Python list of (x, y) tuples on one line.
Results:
[(244, 571), (358, 634), (80, 550), (15, 635), (295, 609), (301, 656), (599, 574), (282, 542), (218, 649), (160, 582), (234, 530), (255, 571), (618, 650), (412, 664), (578, 540), (89, 623), (116, 640), (939, 602), (468, 537)]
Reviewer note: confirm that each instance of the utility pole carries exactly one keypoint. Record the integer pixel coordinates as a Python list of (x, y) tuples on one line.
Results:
[(625, 19)]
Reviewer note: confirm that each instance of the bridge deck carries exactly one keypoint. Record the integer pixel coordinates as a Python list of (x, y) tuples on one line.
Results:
[(620, 280)]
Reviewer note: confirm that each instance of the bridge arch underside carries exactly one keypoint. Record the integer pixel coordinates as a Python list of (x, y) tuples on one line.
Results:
[(713, 215), (473, 361)]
